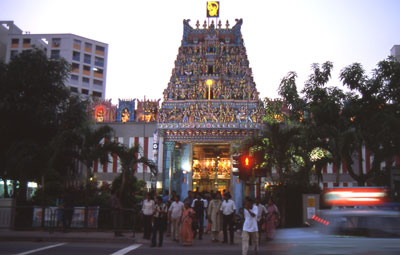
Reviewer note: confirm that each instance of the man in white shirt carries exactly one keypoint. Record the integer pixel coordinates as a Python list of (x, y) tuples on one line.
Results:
[(148, 209), (250, 228), (174, 216), (228, 211)]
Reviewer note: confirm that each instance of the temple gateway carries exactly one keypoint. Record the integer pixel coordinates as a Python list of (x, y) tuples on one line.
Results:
[(210, 102)]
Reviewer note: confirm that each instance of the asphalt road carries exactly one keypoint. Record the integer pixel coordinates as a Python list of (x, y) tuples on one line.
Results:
[(293, 245)]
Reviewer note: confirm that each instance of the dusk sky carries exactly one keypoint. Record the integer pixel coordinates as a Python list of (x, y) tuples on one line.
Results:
[(280, 36)]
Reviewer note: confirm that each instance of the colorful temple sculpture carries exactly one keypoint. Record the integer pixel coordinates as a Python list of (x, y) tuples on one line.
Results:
[(103, 111), (126, 110), (210, 102), (147, 110), (211, 95)]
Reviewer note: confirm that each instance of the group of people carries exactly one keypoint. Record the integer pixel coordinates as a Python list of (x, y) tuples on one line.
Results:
[(185, 220)]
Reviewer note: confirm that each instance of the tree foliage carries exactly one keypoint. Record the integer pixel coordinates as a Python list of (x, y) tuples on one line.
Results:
[(32, 95)]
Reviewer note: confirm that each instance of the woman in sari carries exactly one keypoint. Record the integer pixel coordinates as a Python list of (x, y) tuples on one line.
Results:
[(186, 227), (272, 219)]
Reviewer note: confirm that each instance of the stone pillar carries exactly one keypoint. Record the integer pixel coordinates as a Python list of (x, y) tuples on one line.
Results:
[(238, 192), (168, 164), (186, 177)]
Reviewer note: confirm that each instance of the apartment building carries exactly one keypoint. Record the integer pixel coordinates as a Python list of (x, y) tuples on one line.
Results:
[(88, 58), (395, 52)]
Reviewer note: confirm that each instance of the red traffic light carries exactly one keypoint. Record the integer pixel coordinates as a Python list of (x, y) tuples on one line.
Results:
[(247, 161)]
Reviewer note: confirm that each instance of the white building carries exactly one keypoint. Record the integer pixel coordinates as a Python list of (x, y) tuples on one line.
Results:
[(88, 58), (395, 52)]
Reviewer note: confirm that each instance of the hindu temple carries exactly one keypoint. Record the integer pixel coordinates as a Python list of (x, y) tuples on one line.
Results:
[(210, 102)]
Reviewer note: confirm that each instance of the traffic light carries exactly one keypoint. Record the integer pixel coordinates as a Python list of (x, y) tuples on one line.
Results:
[(247, 162), (242, 166), (235, 164)]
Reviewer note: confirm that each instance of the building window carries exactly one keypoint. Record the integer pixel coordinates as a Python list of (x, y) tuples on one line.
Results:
[(74, 77), (100, 50), (88, 47), (26, 43), (15, 43), (76, 56), (56, 43), (75, 68), (85, 91), (85, 80), (97, 94), (74, 89), (55, 54), (98, 73), (77, 44), (99, 61), (13, 54), (97, 82), (86, 70), (87, 59)]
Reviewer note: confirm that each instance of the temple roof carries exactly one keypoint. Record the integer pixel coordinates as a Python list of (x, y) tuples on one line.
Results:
[(211, 85)]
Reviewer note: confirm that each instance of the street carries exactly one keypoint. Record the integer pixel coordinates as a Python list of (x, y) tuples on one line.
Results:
[(288, 242)]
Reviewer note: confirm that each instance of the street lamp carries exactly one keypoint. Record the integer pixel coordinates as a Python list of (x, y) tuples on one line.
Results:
[(209, 82)]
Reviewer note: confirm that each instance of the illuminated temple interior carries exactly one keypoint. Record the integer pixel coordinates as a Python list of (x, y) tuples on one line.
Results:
[(211, 167)]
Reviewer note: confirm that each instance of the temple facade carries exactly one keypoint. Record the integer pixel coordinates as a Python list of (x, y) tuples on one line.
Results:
[(210, 102)]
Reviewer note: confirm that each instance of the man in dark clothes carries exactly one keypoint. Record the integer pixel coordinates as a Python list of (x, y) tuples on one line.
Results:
[(68, 210), (199, 206), (189, 199), (116, 211)]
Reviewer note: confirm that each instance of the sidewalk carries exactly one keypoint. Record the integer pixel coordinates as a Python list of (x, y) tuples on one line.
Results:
[(108, 237)]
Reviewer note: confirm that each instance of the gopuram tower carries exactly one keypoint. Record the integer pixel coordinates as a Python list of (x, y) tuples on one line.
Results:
[(210, 102)]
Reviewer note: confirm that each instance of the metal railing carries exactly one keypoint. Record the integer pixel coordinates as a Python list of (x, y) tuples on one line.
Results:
[(51, 218)]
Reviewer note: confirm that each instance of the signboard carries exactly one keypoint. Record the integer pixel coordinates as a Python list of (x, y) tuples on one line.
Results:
[(212, 9), (310, 206), (310, 201), (310, 212)]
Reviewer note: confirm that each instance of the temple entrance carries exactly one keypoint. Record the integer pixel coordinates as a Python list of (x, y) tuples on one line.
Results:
[(211, 167)]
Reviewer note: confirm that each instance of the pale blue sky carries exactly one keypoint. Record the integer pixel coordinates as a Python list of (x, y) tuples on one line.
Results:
[(280, 36)]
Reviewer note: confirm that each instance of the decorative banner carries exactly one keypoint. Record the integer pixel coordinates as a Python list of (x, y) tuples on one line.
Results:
[(212, 9)]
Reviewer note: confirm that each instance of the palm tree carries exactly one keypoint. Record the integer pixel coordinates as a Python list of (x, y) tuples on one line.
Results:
[(129, 158), (96, 144)]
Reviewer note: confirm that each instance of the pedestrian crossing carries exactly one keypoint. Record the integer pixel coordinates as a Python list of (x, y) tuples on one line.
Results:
[(48, 248)]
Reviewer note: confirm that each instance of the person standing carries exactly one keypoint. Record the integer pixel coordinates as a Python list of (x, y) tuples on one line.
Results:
[(214, 216), (261, 211), (189, 198), (165, 197), (68, 210), (272, 219), (228, 211), (160, 213), (148, 211), (199, 206), (186, 228), (250, 228), (174, 217), (116, 211)]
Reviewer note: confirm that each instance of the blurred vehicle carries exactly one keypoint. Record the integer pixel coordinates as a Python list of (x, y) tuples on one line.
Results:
[(359, 212)]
